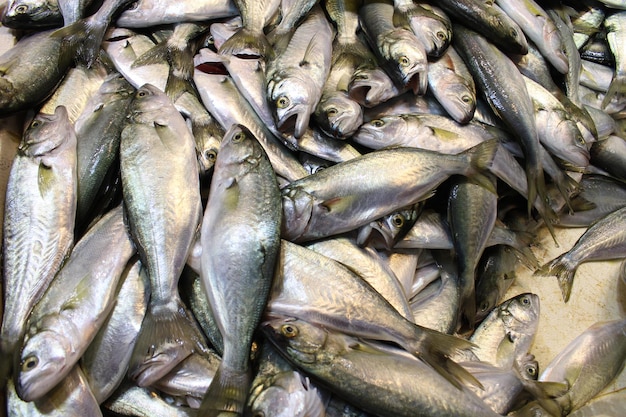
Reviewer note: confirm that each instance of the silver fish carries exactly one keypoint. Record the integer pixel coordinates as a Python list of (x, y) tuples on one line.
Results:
[(250, 39), (39, 218), (147, 13), (237, 281)]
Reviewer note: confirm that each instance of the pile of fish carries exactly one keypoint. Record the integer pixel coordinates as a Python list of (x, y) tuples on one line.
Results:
[(301, 208)]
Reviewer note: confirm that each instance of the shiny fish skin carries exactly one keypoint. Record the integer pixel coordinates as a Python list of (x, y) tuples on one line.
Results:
[(41, 197), (237, 272), (161, 195)]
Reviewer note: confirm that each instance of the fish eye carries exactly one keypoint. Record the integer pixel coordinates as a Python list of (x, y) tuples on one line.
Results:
[(404, 61), (514, 33), (525, 301), (210, 155), (531, 370), (22, 8), (484, 306), (282, 102), (377, 123), (441, 35), (331, 112), (30, 363), (466, 98), (289, 331), (398, 220), (239, 136), (142, 93), (35, 123)]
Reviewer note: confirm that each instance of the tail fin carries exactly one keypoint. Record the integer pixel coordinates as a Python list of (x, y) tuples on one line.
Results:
[(168, 335), (227, 394), (86, 36), (564, 271), (436, 348), (617, 86), (247, 43), (522, 246), (481, 158)]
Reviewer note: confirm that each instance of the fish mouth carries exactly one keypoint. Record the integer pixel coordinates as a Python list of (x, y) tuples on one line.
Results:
[(417, 82), (374, 234), (370, 88), (364, 137), (294, 122)]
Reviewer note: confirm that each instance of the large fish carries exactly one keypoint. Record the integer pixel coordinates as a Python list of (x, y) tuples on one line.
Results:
[(161, 195), (39, 218), (240, 242)]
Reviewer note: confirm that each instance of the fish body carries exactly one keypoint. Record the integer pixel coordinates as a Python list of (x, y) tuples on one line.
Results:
[(77, 302), (604, 239), (380, 382), (161, 194), (238, 269), (147, 13), (39, 218), (334, 200)]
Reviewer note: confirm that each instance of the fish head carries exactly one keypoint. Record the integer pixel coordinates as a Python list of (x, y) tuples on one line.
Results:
[(552, 38), (528, 368), (148, 103), (575, 148), (459, 101), (508, 30), (239, 150), (46, 132), (520, 314), (380, 133), (371, 86), (297, 211), (434, 32), (290, 395), (32, 14), (338, 115), (390, 228), (293, 100), (303, 341), (409, 60), (43, 363), (116, 85)]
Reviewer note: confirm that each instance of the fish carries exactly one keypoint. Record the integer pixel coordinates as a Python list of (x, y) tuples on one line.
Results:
[(26, 79), (40, 211), (334, 200), (29, 14), (380, 322), (387, 231), (375, 379), (163, 213), (75, 305), (250, 40), (429, 23), (237, 271), (602, 240), (131, 400), (496, 274), (599, 351), (296, 75), (399, 51), (106, 359), (148, 13), (614, 25)]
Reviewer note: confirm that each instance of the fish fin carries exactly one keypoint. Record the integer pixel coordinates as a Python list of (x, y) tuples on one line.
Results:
[(158, 54), (85, 36), (564, 273), (617, 86), (247, 43), (337, 203), (227, 393), (435, 348), (524, 253), (309, 56), (579, 203), (45, 179), (482, 155), (167, 336), (544, 392)]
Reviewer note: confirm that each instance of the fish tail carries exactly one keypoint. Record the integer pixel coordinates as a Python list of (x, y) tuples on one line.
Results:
[(564, 270), (521, 245), (83, 38), (227, 393), (167, 336), (158, 54), (617, 86), (537, 190), (245, 42), (435, 348), (481, 158)]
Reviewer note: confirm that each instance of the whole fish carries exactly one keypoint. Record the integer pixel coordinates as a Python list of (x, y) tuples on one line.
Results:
[(399, 51), (605, 239), (293, 295), (39, 218), (77, 302), (238, 259), (588, 363), (335, 200), (161, 194), (380, 382), (296, 76), (27, 79)]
